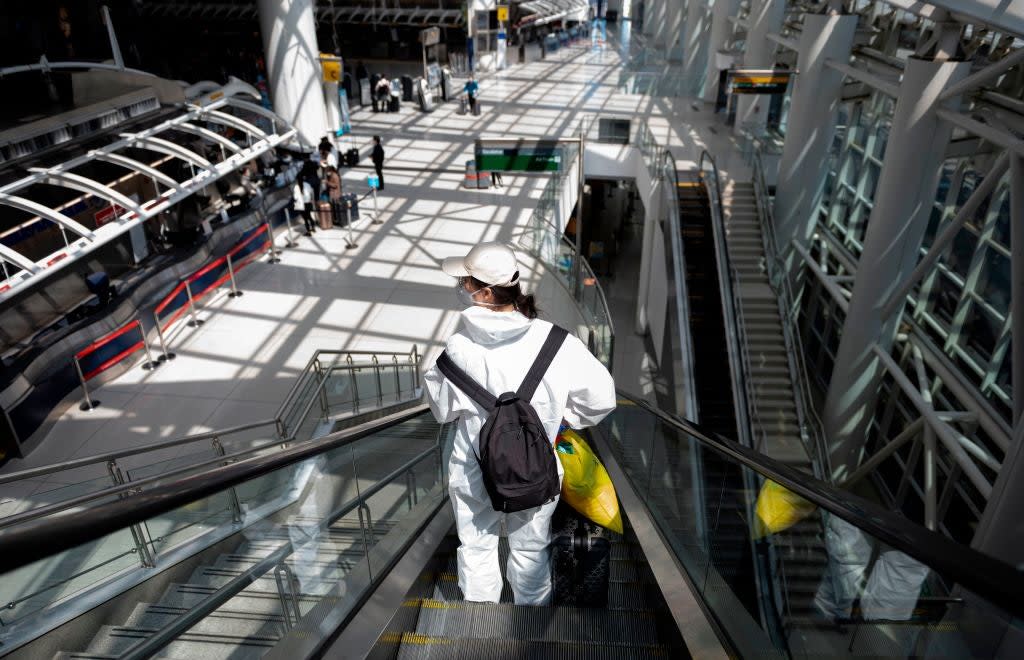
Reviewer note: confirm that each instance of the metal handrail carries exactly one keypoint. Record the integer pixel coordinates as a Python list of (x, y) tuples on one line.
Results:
[(68, 529), (811, 426), (981, 574), (729, 306)]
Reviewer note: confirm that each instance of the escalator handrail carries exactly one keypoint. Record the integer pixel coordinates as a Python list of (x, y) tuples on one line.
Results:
[(20, 545), (983, 575), (731, 316)]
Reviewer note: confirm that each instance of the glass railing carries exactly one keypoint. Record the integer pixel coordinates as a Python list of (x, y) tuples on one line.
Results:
[(545, 240), (335, 385), (858, 580), (309, 534)]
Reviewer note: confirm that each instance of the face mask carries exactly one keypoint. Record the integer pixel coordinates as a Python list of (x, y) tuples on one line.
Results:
[(466, 298)]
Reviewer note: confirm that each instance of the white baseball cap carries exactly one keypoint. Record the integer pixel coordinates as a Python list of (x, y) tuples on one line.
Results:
[(492, 263)]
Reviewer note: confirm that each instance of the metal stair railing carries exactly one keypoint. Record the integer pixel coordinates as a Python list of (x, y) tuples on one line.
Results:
[(811, 426)]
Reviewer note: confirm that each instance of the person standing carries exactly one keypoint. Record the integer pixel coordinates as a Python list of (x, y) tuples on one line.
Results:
[(496, 181), (472, 89), (332, 183), (378, 161), (302, 197), (498, 339), (381, 93)]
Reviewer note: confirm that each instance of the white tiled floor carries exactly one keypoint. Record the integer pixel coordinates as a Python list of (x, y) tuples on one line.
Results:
[(388, 293)]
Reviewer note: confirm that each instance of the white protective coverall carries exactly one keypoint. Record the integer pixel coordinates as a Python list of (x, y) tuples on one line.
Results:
[(496, 349)]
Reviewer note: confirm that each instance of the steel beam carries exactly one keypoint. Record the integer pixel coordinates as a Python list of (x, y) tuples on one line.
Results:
[(209, 135), (163, 146), (888, 87), (225, 119), (975, 80), (18, 259), (46, 212), (990, 133), (1017, 284), (138, 166), (86, 185)]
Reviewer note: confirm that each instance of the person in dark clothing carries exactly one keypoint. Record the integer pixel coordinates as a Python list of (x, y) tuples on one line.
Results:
[(378, 160)]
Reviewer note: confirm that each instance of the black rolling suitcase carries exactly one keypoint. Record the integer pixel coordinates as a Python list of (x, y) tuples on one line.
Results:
[(352, 157), (394, 104), (580, 560), (343, 208)]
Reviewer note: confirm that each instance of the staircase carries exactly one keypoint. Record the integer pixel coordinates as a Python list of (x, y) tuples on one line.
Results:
[(774, 411), (437, 623), (800, 558)]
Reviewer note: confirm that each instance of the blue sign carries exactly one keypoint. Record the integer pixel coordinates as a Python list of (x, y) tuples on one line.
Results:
[(373, 181)]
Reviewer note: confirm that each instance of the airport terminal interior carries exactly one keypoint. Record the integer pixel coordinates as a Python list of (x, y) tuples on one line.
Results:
[(791, 230)]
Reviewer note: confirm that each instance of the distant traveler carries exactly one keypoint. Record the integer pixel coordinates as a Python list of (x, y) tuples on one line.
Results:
[(496, 181), (381, 93), (332, 186), (378, 161), (328, 154), (302, 196), (472, 89), (496, 344)]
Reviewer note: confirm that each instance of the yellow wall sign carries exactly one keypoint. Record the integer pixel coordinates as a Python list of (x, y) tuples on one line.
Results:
[(503, 13), (331, 66)]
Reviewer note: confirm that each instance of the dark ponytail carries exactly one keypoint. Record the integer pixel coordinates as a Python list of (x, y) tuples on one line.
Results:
[(513, 295)]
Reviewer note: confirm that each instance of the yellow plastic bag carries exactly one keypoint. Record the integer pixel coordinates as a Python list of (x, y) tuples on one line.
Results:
[(778, 509), (586, 485)]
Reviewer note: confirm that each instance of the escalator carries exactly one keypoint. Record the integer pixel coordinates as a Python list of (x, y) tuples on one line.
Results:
[(350, 553)]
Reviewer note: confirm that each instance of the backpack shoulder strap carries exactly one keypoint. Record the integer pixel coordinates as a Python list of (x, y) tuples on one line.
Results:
[(464, 382), (540, 366)]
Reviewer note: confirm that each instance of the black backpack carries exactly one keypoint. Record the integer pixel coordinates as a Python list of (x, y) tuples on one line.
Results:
[(516, 456)]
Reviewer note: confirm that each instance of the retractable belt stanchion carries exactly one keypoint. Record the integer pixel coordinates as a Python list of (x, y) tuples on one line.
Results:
[(163, 342), (349, 242), (151, 364), (376, 213), (288, 226), (89, 403), (274, 259), (235, 293), (196, 321)]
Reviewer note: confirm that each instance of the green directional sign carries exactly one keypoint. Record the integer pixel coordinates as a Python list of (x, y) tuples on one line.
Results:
[(519, 156)]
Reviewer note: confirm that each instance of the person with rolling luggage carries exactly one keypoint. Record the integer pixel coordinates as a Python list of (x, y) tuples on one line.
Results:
[(377, 156), (508, 380), (381, 94), (472, 89), (332, 185)]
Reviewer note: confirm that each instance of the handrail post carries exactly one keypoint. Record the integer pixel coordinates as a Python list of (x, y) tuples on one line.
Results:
[(163, 342), (398, 380), (380, 386), (415, 367), (355, 387), (196, 321), (89, 403), (236, 505), (376, 213), (235, 293), (146, 559), (321, 385)]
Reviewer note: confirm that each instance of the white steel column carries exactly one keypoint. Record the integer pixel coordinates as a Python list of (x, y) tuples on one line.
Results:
[(674, 15), (693, 45), (906, 188), (812, 124), (651, 10), (718, 39), (766, 17), (293, 65)]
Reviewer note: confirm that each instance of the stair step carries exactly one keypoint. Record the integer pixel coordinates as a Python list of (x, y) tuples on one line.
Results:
[(214, 640)]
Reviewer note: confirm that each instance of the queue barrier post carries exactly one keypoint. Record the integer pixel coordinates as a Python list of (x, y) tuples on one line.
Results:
[(274, 259), (89, 403), (151, 363), (349, 242), (196, 321), (376, 213), (289, 242), (235, 293), (167, 355)]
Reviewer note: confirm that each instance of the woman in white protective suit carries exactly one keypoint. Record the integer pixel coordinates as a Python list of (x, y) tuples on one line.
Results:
[(498, 339)]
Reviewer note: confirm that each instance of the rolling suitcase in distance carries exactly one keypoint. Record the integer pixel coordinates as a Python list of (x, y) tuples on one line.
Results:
[(344, 213), (476, 108), (394, 104), (580, 560), (352, 157), (323, 215)]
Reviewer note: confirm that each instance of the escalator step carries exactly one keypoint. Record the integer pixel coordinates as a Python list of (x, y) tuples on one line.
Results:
[(548, 624), (419, 647), (621, 595)]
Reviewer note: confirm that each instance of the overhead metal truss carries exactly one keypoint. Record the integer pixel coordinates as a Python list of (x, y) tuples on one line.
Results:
[(131, 213), (364, 14), (545, 11)]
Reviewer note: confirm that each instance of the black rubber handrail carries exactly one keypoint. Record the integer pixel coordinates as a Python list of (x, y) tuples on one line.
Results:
[(39, 538), (983, 575)]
